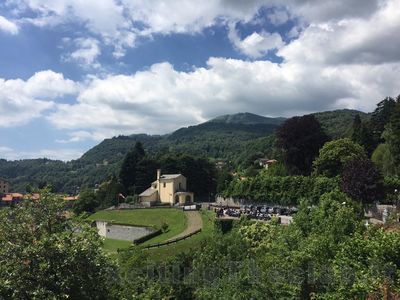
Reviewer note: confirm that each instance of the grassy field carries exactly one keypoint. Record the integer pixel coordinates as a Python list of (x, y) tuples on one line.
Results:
[(193, 242), (154, 217), (112, 246)]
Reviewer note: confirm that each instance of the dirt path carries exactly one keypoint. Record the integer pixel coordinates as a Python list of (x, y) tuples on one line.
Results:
[(194, 222)]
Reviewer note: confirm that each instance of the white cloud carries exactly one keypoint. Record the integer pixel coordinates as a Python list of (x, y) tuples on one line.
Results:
[(162, 99), (47, 85), (349, 62), (103, 18), (120, 23), (22, 101), (255, 45), (278, 16), (8, 26), (369, 40), (86, 53)]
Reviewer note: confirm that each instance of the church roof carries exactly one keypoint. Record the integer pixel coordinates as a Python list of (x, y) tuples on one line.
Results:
[(170, 176), (150, 191)]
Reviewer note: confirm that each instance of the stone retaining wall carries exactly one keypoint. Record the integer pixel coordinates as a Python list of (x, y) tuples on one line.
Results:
[(122, 232)]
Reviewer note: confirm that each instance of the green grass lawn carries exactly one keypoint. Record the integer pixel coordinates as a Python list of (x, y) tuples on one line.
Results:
[(193, 242), (111, 245), (153, 217)]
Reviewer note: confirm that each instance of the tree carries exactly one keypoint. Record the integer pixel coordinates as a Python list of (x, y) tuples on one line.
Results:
[(367, 265), (383, 158), (362, 134), (87, 202), (224, 177), (128, 171), (107, 194), (333, 156), (199, 172), (357, 127), (381, 116), (43, 257), (300, 139), (392, 134), (362, 181), (146, 172)]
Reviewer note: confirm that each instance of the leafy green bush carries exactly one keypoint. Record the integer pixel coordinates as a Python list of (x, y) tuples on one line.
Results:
[(283, 190)]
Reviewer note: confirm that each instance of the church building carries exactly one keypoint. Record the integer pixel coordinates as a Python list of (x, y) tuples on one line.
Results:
[(168, 188)]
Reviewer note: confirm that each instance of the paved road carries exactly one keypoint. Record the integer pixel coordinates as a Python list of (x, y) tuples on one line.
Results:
[(194, 222)]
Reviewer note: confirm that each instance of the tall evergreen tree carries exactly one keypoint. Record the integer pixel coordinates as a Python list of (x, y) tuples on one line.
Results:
[(392, 134), (357, 127), (380, 117), (300, 139), (362, 134), (200, 172), (128, 171)]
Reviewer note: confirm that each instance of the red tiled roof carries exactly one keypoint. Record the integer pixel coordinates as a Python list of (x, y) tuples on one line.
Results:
[(71, 198), (7, 198), (16, 195), (11, 197)]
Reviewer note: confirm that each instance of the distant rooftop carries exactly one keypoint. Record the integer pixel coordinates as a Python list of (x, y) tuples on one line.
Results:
[(170, 176)]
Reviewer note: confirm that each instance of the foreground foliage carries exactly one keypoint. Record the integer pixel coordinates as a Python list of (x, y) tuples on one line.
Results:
[(46, 255), (327, 253)]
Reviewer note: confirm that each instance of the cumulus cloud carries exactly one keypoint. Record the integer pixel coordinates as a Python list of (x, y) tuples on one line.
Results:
[(255, 45), (368, 40), (104, 18), (162, 99), (348, 62), (86, 54), (278, 16), (120, 23), (22, 101), (8, 26)]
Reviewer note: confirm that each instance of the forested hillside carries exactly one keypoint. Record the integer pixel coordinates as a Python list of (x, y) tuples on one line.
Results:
[(237, 139)]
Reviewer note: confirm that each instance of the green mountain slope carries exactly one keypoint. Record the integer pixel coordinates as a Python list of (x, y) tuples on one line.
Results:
[(246, 118), (338, 123), (235, 138)]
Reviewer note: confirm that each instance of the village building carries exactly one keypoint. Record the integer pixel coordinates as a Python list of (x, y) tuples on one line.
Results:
[(10, 199), (265, 162), (4, 186), (220, 164), (168, 188)]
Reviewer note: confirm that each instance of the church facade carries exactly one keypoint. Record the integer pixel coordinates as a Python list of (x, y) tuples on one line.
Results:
[(168, 188)]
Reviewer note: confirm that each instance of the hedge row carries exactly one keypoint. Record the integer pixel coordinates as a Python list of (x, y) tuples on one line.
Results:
[(289, 190), (282, 190)]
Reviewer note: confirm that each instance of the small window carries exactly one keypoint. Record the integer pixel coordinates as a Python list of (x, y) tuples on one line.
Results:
[(164, 184)]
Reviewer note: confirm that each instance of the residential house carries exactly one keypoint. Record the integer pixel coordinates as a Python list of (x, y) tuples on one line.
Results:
[(265, 162), (11, 199)]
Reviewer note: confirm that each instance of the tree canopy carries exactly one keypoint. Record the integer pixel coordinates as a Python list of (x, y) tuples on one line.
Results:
[(362, 181), (44, 254), (300, 138), (333, 156)]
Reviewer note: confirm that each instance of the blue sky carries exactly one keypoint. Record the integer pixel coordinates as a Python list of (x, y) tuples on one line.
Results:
[(75, 72)]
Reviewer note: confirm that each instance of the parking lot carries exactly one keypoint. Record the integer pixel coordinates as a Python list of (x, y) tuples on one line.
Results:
[(257, 212)]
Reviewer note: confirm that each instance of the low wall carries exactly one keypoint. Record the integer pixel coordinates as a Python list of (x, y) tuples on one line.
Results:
[(122, 232), (231, 202)]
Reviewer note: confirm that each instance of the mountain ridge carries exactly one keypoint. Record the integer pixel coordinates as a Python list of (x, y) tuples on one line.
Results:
[(233, 138)]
